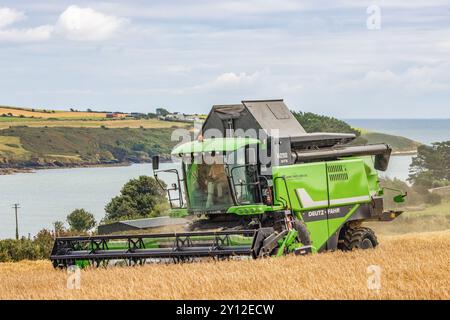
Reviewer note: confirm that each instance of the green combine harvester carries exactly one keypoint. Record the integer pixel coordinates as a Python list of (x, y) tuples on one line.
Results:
[(258, 185)]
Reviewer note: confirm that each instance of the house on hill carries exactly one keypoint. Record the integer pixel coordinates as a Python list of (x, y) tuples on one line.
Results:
[(115, 115)]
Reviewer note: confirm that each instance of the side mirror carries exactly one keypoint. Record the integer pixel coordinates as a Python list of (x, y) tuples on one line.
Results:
[(155, 162), (400, 198)]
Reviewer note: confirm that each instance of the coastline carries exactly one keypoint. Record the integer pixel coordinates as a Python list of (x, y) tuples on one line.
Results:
[(33, 169), (405, 153), (9, 171)]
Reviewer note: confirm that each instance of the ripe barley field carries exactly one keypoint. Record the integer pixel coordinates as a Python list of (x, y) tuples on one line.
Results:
[(413, 266), (89, 123), (50, 113)]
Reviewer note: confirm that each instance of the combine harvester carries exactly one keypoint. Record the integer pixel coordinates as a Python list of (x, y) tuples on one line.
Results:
[(280, 191)]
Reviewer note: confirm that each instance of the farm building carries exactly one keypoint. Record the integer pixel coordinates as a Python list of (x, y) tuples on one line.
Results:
[(115, 115), (140, 224), (136, 114), (182, 117), (442, 191)]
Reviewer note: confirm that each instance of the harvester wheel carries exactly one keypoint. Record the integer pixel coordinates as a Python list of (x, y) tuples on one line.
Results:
[(303, 233), (358, 238)]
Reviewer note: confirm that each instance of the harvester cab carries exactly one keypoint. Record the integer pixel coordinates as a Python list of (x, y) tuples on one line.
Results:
[(261, 186)]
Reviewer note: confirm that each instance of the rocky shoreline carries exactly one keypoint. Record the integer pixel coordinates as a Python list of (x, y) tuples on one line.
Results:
[(404, 153), (8, 170)]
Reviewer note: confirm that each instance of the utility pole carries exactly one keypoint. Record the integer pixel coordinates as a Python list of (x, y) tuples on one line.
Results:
[(16, 207)]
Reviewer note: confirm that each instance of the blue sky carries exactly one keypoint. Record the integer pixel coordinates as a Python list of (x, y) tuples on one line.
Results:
[(187, 55)]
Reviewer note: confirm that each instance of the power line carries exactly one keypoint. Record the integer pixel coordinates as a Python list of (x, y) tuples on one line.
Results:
[(16, 207)]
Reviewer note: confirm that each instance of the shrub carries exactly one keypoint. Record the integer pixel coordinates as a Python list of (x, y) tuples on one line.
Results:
[(141, 197), (44, 240), (433, 198), (16, 250), (81, 220)]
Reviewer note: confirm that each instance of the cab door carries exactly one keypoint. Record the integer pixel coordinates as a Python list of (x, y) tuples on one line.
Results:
[(305, 188)]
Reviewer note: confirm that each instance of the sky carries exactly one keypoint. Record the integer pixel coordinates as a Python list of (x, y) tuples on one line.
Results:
[(348, 59)]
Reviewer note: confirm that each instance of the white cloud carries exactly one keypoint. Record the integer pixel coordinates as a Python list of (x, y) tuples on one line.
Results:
[(75, 23), (413, 81), (86, 24), (9, 16), (445, 45), (225, 82), (231, 78), (40, 33)]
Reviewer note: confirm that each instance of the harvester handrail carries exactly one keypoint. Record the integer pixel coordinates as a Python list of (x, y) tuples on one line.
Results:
[(158, 235)]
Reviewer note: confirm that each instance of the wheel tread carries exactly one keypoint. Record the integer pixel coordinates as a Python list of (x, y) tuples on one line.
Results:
[(353, 237)]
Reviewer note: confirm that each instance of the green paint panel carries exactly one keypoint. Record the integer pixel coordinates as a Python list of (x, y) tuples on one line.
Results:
[(347, 182), (318, 233), (253, 209), (216, 144), (322, 185), (335, 224), (372, 176), (309, 178)]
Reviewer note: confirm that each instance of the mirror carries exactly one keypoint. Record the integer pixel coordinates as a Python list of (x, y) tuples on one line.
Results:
[(155, 162), (400, 198)]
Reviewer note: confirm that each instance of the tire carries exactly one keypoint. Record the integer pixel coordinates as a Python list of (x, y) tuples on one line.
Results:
[(303, 233), (358, 238)]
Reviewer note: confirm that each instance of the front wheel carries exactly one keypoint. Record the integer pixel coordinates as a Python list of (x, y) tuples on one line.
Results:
[(358, 238)]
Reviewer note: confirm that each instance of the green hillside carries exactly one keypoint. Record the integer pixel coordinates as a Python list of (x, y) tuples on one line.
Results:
[(29, 141), (312, 122), (61, 146), (398, 144)]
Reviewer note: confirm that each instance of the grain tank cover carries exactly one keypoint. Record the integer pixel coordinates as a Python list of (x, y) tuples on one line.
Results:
[(268, 120), (267, 115), (275, 115), (271, 116)]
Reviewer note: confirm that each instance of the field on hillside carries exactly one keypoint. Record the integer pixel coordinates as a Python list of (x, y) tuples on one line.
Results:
[(413, 266), (121, 123), (11, 116), (12, 146), (41, 113), (30, 146), (399, 144)]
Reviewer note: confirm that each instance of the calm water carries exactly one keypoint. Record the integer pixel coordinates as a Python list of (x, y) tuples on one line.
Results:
[(422, 130), (49, 195)]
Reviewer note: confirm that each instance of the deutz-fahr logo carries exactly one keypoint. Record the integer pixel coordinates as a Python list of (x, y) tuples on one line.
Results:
[(330, 213)]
